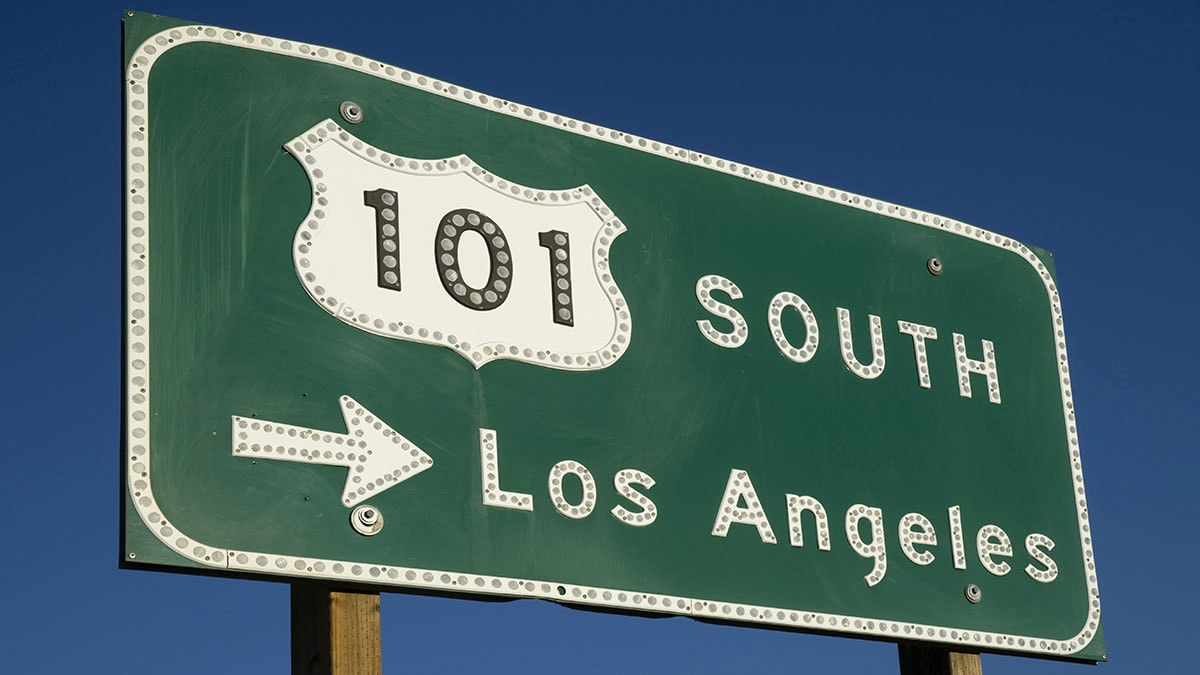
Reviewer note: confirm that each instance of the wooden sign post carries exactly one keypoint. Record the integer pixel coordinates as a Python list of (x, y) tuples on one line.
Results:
[(334, 632), (920, 659)]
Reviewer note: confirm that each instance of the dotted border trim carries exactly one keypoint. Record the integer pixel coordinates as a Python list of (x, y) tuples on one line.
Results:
[(301, 148), (137, 355)]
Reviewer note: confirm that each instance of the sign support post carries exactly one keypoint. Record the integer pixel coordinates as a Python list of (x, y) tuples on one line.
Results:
[(920, 659), (334, 632)]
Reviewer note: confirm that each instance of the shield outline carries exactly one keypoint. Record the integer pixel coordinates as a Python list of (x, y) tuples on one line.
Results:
[(301, 148)]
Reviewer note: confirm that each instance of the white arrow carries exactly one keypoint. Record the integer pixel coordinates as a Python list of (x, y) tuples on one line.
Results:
[(375, 454)]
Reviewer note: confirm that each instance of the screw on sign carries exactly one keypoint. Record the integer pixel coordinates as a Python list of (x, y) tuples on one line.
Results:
[(366, 520), (351, 112)]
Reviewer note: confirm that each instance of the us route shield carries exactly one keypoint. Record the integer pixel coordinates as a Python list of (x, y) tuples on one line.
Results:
[(543, 294)]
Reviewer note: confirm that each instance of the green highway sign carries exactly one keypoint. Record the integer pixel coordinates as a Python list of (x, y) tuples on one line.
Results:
[(383, 329)]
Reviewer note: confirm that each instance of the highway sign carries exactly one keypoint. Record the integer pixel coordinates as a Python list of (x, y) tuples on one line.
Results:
[(383, 329)]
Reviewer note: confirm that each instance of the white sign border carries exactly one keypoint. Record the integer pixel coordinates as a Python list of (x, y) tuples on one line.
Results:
[(137, 354)]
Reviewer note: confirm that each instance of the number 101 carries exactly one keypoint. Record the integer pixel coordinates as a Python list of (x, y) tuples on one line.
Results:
[(445, 252)]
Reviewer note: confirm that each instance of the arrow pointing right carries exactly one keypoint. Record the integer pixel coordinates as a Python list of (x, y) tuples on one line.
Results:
[(377, 457)]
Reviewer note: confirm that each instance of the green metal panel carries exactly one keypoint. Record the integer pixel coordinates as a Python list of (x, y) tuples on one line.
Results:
[(219, 325)]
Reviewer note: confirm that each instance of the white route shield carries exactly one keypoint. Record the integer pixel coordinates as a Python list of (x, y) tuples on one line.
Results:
[(444, 252)]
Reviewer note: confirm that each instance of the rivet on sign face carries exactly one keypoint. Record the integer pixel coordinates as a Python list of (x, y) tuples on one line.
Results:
[(366, 520), (351, 112), (973, 593), (935, 266)]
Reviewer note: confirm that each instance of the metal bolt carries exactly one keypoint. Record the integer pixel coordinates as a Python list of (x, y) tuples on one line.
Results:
[(366, 520), (973, 593), (351, 112), (935, 266)]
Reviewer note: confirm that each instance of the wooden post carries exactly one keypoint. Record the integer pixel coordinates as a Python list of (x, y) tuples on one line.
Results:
[(920, 659), (334, 632)]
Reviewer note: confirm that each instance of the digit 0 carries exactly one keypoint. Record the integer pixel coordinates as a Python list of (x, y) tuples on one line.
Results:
[(445, 250)]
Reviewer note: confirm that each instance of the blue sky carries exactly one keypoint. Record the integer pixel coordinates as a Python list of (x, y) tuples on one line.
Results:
[(1069, 127)]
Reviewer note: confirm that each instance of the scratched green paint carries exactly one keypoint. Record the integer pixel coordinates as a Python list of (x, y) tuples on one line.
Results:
[(235, 333)]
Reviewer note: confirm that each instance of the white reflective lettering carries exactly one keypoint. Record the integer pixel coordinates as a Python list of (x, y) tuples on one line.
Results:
[(1034, 544), (624, 481), (956, 538), (554, 482), (877, 548), (916, 529), (796, 507), (919, 335), (993, 541), (704, 287), (967, 366), (775, 319), (739, 489), (489, 469), (878, 357)]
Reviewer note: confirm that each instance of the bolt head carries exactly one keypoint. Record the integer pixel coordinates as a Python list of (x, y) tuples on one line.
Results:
[(351, 112), (366, 520)]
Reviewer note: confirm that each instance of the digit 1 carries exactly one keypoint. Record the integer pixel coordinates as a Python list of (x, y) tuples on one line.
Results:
[(387, 237), (561, 296)]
